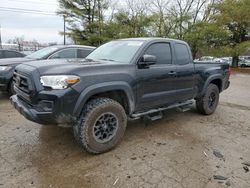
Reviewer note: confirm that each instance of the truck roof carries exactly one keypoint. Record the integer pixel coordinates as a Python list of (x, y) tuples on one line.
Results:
[(152, 39)]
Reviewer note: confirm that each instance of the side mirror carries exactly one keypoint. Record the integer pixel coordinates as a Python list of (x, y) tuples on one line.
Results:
[(147, 60)]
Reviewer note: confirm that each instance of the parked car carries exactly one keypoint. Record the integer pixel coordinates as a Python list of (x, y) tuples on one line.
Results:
[(205, 59), (244, 63), (245, 58), (219, 60), (128, 78), (8, 65), (228, 60), (10, 54)]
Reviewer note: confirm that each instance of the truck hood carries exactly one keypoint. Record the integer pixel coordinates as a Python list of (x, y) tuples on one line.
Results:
[(66, 66), (14, 61)]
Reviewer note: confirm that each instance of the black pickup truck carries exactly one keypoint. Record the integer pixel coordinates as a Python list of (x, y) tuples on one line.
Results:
[(120, 80)]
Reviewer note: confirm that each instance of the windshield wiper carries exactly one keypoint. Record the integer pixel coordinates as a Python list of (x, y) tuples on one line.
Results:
[(106, 59)]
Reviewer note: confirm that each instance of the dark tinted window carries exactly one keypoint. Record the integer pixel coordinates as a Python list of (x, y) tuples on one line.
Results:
[(65, 54), (82, 53), (162, 51), (19, 54), (1, 54), (9, 54), (182, 54)]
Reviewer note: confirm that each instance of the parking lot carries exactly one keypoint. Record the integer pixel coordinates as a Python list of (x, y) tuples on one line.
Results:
[(177, 151)]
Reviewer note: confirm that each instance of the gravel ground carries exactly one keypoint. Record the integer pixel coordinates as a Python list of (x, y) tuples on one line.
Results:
[(181, 150)]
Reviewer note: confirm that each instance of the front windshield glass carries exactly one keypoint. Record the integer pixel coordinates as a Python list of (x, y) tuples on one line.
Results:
[(121, 51), (42, 53)]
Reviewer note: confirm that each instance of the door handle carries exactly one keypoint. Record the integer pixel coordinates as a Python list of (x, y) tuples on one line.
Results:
[(172, 73)]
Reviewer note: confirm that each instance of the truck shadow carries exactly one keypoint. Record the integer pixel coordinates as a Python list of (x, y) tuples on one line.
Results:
[(62, 141), (57, 150)]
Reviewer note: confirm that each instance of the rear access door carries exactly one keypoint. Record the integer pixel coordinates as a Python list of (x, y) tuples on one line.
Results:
[(184, 66)]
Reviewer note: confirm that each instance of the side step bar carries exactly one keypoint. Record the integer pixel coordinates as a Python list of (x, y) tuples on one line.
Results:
[(184, 106)]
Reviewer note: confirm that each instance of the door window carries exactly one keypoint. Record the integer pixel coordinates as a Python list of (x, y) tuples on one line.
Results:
[(65, 54), (182, 54), (82, 53), (9, 54), (161, 51), (18, 54)]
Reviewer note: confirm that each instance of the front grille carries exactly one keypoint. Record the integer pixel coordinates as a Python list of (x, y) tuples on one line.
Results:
[(22, 83)]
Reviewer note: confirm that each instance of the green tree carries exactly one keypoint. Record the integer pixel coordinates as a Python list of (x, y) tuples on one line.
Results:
[(126, 24), (203, 36), (233, 16), (84, 19), (209, 26)]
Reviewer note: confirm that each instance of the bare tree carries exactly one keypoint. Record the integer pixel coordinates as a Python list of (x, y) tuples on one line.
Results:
[(19, 41), (136, 10), (160, 9)]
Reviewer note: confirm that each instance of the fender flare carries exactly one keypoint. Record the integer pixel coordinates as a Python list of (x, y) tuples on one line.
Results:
[(104, 87), (209, 80)]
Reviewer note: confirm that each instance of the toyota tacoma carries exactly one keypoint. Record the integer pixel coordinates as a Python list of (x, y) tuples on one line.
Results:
[(122, 79)]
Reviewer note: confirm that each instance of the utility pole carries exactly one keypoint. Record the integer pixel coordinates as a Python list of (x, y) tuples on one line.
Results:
[(0, 39), (99, 22), (64, 29)]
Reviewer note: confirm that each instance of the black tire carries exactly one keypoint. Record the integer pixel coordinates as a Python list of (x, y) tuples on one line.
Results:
[(101, 125), (76, 133), (11, 88), (208, 103)]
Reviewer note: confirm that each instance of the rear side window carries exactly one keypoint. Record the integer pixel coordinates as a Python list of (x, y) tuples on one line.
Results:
[(182, 54), (82, 53), (65, 54), (1, 54), (9, 54), (161, 51), (19, 54)]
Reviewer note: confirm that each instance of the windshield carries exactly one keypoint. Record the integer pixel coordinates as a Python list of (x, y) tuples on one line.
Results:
[(119, 51), (42, 53)]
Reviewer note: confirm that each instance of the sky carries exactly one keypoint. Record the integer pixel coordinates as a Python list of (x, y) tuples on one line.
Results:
[(43, 28)]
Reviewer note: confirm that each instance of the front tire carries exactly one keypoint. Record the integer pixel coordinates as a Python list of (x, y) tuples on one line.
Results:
[(101, 125), (208, 103), (11, 88)]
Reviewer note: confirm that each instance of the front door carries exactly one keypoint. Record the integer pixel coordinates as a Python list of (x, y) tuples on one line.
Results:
[(155, 84)]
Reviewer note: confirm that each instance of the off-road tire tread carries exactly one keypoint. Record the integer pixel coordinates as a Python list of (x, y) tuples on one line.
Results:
[(200, 102), (82, 137)]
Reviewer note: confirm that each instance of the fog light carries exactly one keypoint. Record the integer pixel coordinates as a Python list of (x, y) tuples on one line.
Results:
[(46, 105)]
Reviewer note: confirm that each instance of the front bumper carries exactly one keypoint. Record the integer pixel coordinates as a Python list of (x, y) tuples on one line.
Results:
[(47, 106), (31, 113)]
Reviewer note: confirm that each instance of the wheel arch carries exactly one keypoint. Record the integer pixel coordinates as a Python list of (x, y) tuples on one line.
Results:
[(118, 91), (215, 79), (218, 83)]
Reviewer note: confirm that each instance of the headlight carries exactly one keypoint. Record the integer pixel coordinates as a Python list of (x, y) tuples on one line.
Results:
[(59, 81), (4, 68)]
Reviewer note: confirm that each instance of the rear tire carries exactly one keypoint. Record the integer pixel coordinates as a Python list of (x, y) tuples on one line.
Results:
[(101, 125), (208, 103)]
